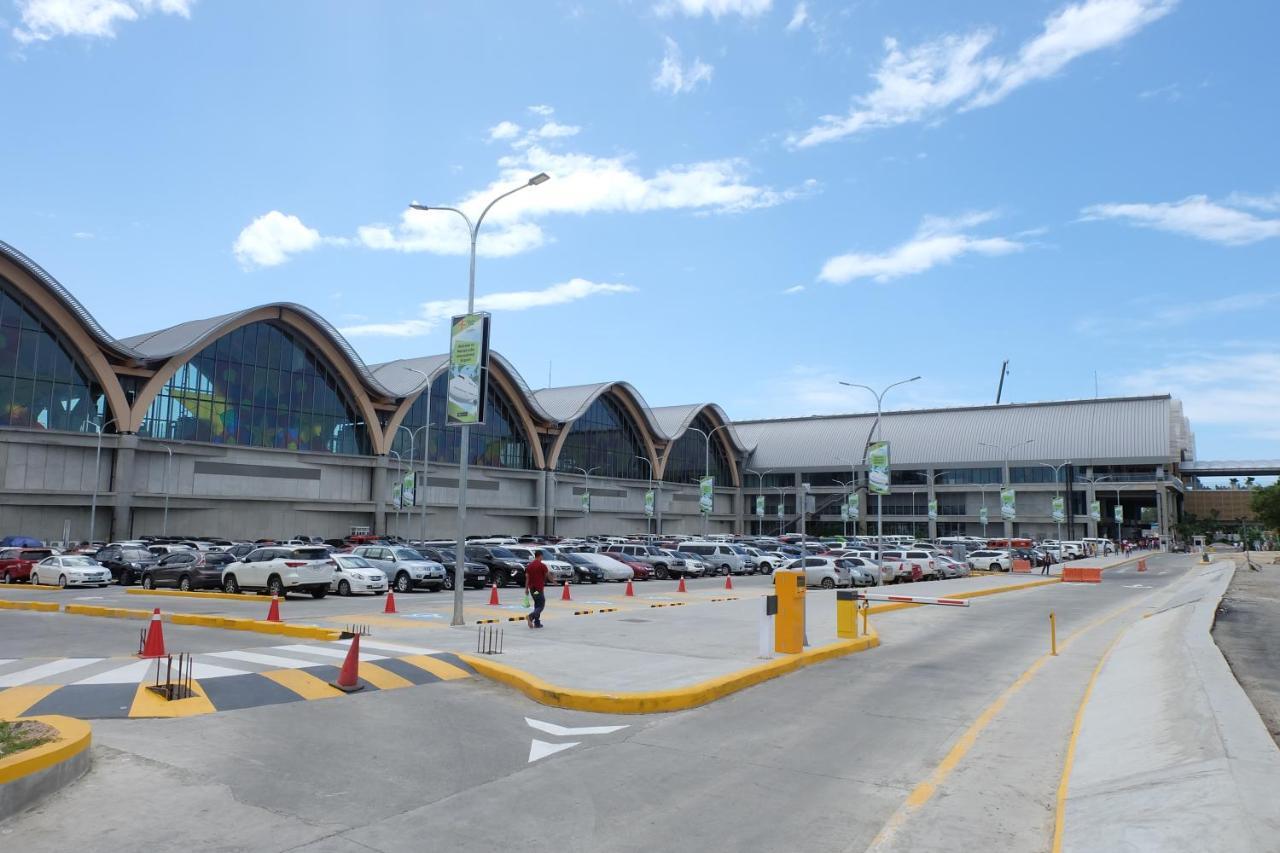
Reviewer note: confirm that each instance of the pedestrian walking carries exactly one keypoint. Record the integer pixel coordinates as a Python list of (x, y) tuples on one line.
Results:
[(1044, 566), (535, 583)]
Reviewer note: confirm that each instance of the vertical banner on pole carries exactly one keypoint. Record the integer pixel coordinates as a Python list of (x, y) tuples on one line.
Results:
[(1119, 514), (878, 467), (1059, 509), (983, 516), (760, 506), (1008, 504), (1095, 510), (933, 509), (854, 509), (586, 502), (706, 494), (648, 504), (468, 369), (844, 512), (407, 497)]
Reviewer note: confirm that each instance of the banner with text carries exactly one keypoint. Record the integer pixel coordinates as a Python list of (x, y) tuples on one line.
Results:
[(1008, 504), (468, 369), (1059, 509), (878, 467), (706, 494), (1095, 510)]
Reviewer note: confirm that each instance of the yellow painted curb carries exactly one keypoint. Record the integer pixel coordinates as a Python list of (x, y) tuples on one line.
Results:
[(31, 586), (200, 620), (42, 606), (224, 596), (109, 612), (74, 737), (659, 701)]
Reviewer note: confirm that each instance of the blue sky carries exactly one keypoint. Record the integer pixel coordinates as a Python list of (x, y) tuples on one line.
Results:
[(749, 199)]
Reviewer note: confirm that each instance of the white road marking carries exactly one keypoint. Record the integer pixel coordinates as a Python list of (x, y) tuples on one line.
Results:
[(130, 673), (541, 749), (265, 660), (30, 674), (325, 652), (566, 731), (208, 670), (390, 647)]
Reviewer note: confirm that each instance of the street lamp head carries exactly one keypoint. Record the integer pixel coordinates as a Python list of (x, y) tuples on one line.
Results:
[(540, 178), (416, 206)]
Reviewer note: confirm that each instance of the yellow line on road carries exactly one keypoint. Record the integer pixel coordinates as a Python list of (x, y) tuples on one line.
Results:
[(304, 684), (440, 669), (16, 700), (383, 679)]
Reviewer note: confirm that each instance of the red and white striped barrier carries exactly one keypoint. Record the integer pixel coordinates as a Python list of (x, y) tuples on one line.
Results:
[(911, 599)]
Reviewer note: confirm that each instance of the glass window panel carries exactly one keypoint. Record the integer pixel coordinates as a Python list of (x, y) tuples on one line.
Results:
[(686, 460), (499, 442)]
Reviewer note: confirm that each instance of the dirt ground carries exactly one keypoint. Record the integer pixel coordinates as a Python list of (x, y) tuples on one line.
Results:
[(1248, 633)]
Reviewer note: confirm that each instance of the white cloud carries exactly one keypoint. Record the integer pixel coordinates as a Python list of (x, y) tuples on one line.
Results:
[(83, 235), (432, 314), (714, 8), (504, 130), (1172, 316), (271, 238), (1195, 216), (675, 77), (542, 110), (955, 71), (1265, 203), (799, 17), (555, 130), (1233, 389), (795, 288), (938, 241), (43, 20)]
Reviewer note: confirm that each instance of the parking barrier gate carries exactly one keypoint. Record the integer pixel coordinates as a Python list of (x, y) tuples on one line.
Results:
[(910, 599)]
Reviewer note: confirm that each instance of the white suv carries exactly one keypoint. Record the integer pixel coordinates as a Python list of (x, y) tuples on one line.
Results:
[(279, 571)]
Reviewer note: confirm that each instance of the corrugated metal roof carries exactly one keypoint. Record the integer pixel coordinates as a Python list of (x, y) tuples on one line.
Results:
[(675, 420), (1118, 428)]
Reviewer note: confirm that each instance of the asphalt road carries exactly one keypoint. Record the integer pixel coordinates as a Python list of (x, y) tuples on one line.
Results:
[(1247, 631), (820, 760)]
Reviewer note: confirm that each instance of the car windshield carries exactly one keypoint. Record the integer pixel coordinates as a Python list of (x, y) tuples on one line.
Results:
[(351, 561), (502, 553), (218, 558), (134, 554), (35, 555), (406, 554), (311, 553), (80, 562)]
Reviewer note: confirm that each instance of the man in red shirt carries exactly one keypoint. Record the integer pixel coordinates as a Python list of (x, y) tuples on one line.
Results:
[(535, 582)]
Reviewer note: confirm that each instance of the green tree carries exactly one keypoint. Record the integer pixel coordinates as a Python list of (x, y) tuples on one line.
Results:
[(1265, 504)]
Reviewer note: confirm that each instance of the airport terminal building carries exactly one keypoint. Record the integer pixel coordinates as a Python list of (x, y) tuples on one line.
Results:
[(266, 423)]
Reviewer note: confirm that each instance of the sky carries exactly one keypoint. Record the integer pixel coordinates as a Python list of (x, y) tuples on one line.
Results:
[(750, 200)]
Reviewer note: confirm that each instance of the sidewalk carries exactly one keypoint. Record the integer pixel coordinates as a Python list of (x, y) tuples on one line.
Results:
[(1171, 755)]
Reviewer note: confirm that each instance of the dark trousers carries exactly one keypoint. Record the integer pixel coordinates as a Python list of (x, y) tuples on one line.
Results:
[(539, 602)]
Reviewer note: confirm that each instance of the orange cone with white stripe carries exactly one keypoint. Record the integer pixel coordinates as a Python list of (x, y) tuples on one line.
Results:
[(630, 591), (391, 603), (681, 587), (349, 678), (493, 595), (154, 645), (564, 596), (273, 614), (728, 581)]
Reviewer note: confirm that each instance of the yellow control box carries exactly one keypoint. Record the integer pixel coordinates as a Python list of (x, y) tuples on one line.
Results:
[(846, 615), (788, 625)]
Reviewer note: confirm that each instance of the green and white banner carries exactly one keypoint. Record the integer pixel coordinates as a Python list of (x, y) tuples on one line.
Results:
[(844, 512), (983, 515), (760, 506), (854, 506), (648, 504), (1059, 509), (878, 467), (586, 502), (1008, 504), (1119, 514), (1095, 510), (706, 494), (933, 509), (781, 507), (468, 360)]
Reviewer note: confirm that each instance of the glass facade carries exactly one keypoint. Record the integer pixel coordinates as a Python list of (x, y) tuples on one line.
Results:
[(261, 385), (499, 442), (687, 458), (605, 438), (968, 476), (1036, 474), (42, 384)]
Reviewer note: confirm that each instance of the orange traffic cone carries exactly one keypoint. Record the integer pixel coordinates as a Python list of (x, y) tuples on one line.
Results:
[(564, 596), (493, 595), (630, 591), (681, 587), (153, 647), (273, 615), (728, 581), (349, 678), (391, 603), (1142, 565)]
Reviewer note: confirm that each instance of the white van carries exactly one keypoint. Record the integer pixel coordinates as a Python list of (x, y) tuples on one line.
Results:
[(722, 557)]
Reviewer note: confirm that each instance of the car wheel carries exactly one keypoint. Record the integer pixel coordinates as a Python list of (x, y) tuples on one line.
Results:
[(662, 573), (124, 577), (500, 578), (404, 583), (275, 586), (448, 580), (595, 579), (344, 588), (724, 570), (319, 593), (828, 583), (184, 583), (147, 582), (33, 579), (658, 568), (229, 585), (4, 578)]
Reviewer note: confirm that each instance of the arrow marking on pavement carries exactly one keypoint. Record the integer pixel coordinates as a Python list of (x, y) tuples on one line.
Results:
[(541, 749), (565, 731)]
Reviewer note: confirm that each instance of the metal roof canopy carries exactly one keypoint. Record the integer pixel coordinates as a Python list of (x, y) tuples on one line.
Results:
[(1232, 468)]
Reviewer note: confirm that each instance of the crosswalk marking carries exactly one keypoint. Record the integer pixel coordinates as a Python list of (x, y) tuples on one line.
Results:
[(323, 652), (389, 647), (26, 676), (130, 673), (276, 661)]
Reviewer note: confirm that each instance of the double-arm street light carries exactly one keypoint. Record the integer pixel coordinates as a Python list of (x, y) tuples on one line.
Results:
[(97, 471), (459, 567), (844, 508), (1007, 450), (706, 465), (879, 395), (1057, 481), (586, 490), (760, 489)]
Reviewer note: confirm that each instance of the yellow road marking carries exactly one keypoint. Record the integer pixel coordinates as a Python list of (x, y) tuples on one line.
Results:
[(1059, 816), (304, 684), (148, 704), (441, 669), (383, 679), (16, 700)]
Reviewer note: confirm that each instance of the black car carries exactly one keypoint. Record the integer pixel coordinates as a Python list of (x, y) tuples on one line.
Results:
[(188, 570), (504, 567), (475, 575), (584, 570), (125, 563), (239, 551)]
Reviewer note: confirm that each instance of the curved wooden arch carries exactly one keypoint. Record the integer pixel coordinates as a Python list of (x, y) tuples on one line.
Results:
[(721, 438), (86, 348), (508, 389), (297, 322), (632, 409)]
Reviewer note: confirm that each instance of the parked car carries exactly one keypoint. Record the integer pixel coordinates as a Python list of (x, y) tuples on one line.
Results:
[(16, 563), (910, 565), (610, 568), (474, 575), (354, 574), (73, 570), (279, 570), (825, 572), (558, 571), (994, 561), (685, 564), (188, 570), (240, 550), (503, 566), (862, 572), (722, 557), (126, 564), (765, 562), (587, 570), (639, 571), (406, 568), (950, 567), (663, 564)]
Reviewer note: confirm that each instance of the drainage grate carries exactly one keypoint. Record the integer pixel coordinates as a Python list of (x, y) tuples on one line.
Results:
[(635, 620)]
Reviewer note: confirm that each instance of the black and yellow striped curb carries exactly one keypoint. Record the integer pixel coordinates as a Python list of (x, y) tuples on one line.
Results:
[(228, 693)]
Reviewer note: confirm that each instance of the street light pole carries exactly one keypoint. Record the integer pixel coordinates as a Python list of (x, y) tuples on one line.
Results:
[(879, 498), (648, 521), (426, 448), (1007, 450), (760, 489), (586, 487), (844, 510), (459, 568), (400, 486), (164, 527), (97, 471), (1056, 470), (782, 510), (706, 467)]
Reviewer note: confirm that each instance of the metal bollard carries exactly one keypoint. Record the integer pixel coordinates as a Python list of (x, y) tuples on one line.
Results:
[(1053, 633)]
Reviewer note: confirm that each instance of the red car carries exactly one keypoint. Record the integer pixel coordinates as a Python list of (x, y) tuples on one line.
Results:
[(639, 571), (16, 563)]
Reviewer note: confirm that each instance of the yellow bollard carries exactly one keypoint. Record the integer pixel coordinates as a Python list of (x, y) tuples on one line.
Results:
[(1053, 633), (866, 611)]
